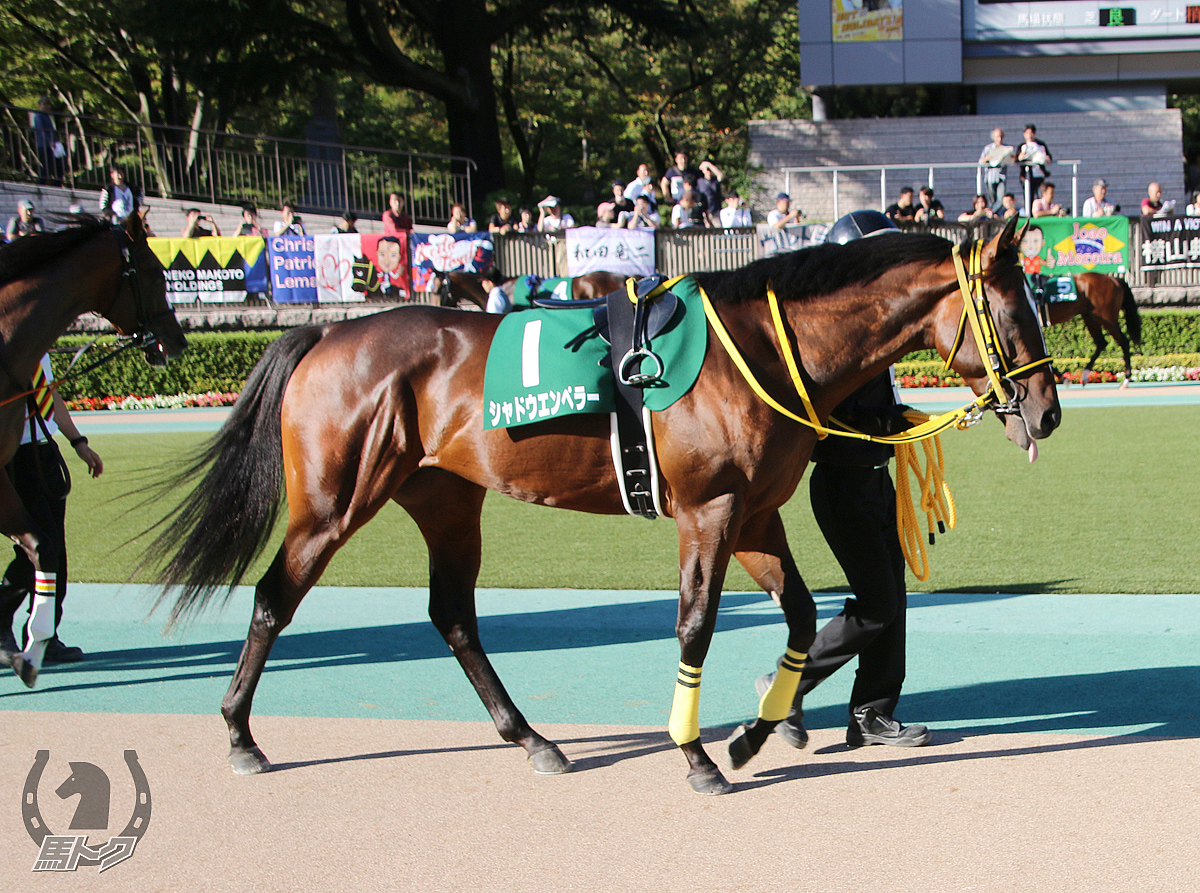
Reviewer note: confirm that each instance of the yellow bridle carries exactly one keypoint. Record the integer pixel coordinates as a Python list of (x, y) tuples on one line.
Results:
[(936, 499)]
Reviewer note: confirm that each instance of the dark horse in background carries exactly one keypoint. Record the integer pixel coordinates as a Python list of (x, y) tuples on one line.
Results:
[(46, 281), (1100, 298), (351, 416), (459, 285)]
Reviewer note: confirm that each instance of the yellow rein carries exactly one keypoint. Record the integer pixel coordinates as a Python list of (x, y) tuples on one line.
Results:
[(936, 498)]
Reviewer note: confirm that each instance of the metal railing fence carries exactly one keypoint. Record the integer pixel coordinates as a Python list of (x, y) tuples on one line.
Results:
[(230, 168)]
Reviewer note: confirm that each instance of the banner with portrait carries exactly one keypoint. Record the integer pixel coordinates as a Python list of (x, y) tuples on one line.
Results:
[(214, 270), (629, 252), (358, 266), (1170, 243), (443, 252), (867, 20), (1068, 245)]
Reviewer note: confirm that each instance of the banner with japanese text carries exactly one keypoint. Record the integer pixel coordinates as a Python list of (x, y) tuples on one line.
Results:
[(443, 252), (867, 20), (628, 252), (1067, 245), (1170, 243), (292, 262), (358, 266), (216, 270)]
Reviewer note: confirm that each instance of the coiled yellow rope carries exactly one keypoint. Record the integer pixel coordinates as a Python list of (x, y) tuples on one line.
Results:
[(936, 499)]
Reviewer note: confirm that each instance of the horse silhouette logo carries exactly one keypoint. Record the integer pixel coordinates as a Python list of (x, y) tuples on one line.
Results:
[(66, 852)]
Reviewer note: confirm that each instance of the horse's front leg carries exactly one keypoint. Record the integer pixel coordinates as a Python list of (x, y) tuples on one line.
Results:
[(705, 544), (763, 550)]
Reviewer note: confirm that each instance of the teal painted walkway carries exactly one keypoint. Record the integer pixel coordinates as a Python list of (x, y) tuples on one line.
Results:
[(1094, 664)]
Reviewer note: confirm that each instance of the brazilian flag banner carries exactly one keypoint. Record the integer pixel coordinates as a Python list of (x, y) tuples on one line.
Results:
[(217, 270), (1068, 245)]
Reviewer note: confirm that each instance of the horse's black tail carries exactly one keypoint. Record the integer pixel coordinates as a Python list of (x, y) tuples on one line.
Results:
[(1133, 321), (224, 522)]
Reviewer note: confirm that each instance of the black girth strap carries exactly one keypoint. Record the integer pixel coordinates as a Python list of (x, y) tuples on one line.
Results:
[(627, 336)]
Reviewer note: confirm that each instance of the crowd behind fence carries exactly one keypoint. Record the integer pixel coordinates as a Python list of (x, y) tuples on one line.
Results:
[(232, 168)]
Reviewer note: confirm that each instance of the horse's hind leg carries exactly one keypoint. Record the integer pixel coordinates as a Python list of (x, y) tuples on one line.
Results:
[(1097, 332), (447, 509), (762, 549)]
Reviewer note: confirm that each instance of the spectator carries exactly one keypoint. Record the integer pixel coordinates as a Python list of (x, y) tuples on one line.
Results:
[(980, 210), (250, 225), (525, 222), (1045, 206), (459, 221), (1097, 205), (118, 199), (643, 215), (783, 214), (735, 213), (995, 159), (289, 222), (930, 209), (50, 150), (902, 211), (641, 185), (1034, 158), (551, 217), (395, 218), (1193, 209), (672, 181), (1153, 203), (606, 215), (687, 212), (502, 221), (709, 186), (345, 224), (23, 223), (40, 477), (1008, 206), (194, 228), (620, 202), (699, 209)]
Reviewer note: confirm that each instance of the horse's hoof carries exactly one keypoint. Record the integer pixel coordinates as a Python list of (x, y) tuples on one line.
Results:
[(550, 761), (25, 670), (741, 749), (249, 762), (709, 781), (1124, 383)]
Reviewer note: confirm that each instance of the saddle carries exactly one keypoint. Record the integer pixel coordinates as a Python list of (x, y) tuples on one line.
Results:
[(628, 320)]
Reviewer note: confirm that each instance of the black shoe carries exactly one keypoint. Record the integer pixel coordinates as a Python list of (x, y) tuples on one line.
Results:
[(869, 726), (8, 646), (791, 729), (58, 653)]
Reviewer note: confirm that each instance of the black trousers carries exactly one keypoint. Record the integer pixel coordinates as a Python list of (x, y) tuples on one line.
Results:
[(42, 481), (855, 508)]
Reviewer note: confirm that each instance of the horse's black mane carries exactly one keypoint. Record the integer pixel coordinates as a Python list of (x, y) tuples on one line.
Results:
[(20, 257), (823, 269)]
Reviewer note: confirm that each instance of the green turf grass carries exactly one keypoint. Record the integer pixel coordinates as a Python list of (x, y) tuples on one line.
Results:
[(1111, 505)]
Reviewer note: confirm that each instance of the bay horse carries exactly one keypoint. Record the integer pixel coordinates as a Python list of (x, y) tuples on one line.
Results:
[(350, 416), (47, 280), (1101, 298), (460, 285)]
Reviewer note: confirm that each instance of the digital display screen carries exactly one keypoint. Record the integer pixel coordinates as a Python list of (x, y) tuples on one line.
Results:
[(1116, 18), (1040, 20)]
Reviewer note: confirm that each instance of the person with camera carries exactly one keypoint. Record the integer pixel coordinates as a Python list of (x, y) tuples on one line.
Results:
[(195, 228), (735, 213)]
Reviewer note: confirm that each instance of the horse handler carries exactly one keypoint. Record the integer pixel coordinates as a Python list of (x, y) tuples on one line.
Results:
[(854, 503), (41, 479)]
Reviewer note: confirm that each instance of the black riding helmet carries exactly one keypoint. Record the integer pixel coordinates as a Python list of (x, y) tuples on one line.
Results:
[(857, 224)]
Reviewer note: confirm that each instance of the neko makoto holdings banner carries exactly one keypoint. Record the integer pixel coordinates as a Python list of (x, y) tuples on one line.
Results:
[(219, 270)]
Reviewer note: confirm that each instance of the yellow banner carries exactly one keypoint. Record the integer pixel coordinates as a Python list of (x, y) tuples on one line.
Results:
[(867, 20)]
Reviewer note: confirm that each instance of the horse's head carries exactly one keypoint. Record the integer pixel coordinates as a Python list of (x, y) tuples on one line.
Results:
[(1012, 360), (141, 308)]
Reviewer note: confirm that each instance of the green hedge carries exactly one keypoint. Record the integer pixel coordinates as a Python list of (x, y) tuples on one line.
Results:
[(213, 361), (220, 361)]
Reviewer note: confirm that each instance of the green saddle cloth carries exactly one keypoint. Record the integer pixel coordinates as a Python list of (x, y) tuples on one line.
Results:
[(532, 375), (529, 287), (1056, 288)]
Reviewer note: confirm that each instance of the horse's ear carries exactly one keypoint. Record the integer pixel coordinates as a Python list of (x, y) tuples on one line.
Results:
[(134, 228), (1006, 239)]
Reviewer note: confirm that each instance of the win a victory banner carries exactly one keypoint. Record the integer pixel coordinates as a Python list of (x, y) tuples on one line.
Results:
[(1169, 243), (220, 270)]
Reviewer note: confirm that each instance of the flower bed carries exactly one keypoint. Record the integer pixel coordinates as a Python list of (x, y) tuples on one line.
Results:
[(154, 401)]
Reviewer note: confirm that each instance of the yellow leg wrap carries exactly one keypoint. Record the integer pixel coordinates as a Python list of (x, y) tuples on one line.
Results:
[(776, 704), (684, 725)]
